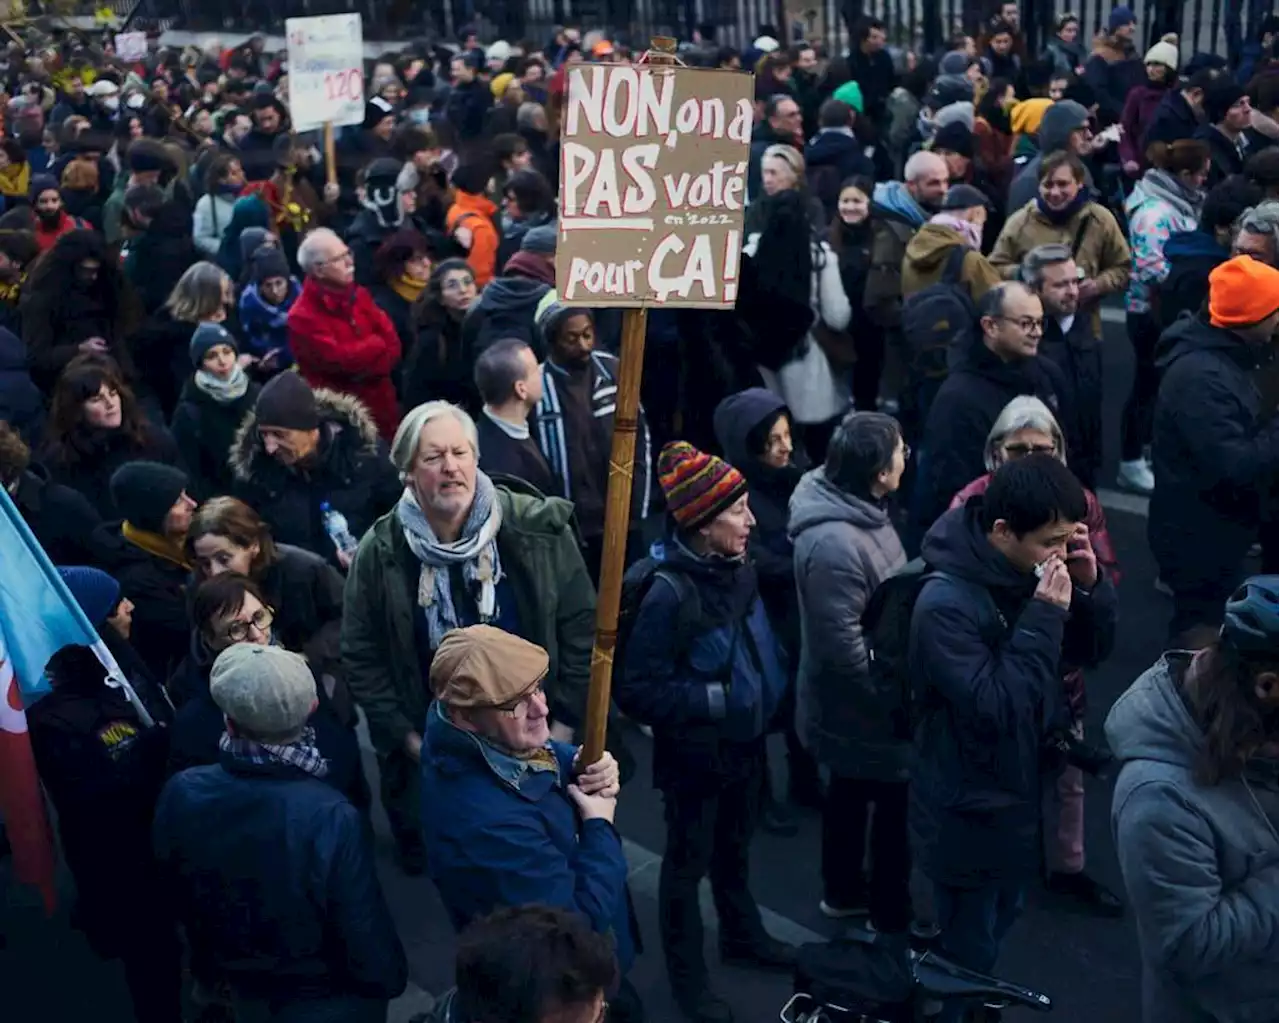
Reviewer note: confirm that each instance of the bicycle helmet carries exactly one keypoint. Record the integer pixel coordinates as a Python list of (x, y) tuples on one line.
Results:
[(1252, 621)]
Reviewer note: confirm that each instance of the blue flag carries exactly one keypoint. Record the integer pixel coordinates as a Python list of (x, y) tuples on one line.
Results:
[(38, 614)]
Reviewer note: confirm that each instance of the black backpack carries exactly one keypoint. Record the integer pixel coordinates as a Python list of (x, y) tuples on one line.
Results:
[(636, 583), (939, 319)]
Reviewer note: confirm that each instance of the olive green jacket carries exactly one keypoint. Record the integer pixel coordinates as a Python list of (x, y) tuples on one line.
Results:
[(556, 604)]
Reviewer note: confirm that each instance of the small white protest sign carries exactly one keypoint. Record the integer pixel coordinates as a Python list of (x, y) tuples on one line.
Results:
[(326, 70)]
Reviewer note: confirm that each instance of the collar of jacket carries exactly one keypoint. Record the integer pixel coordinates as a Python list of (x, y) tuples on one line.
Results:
[(155, 544), (335, 301), (530, 779)]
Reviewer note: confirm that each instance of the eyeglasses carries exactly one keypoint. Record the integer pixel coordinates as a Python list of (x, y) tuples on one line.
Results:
[(1026, 324), (1018, 450), (342, 257), (519, 709), (261, 619), (458, 284)]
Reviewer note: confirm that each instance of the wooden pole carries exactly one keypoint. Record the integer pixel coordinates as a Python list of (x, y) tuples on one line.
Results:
[(617, 513), (330, 160)]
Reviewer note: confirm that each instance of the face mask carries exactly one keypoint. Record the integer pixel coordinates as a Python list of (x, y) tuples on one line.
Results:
[(111, 103), (420, 116), (50, 216)]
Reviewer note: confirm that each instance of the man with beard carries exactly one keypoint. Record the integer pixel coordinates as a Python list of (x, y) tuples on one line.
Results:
[(52, 220), (1194, 818), (1052, 275), (258, 147), (573, 423)]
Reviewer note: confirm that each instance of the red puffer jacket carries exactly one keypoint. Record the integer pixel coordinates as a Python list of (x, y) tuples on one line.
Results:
[(341, 340), (1096, 519)]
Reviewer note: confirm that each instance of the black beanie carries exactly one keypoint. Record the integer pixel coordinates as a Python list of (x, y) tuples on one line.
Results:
[(144, 492), (1221, 96), (954, 138), (147, 157), (267, 262), (287, 401)]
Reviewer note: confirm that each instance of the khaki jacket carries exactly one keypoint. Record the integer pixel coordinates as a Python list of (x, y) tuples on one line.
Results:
[(926, 257), (1103, 253)]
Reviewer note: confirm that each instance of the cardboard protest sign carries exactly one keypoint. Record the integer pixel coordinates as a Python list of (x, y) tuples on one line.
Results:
[(131, 46), (326, 70), (653, 180)]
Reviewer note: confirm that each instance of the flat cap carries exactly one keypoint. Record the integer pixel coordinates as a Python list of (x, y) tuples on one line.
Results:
[(265, 689), (481, 666)]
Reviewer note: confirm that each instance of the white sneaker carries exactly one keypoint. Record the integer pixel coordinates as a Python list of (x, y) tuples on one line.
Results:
[(1136, 476), (840, 912)]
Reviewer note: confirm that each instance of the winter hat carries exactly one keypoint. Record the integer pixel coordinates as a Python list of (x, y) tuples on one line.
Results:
[(145, 491), (1164, 52), (267, 690), (499, 52), (956, 113), (964, 197), (252, 239), (955, 63), (948, 89), (954, 138), (851, 94), (41, 183), (1242, 292), (102, 87), (765, 44), (287, 401), (382, 193), (531, 267), (483, 666), (540, 239), (267, 262), (376, 110), (1120, 17), (697, 486), (206, 336), (1220, 97), (96, 592), (550, 312)]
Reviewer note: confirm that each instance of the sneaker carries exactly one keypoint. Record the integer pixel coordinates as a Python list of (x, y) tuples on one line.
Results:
[(1136, 476), (1163, 587), (704, 1006), (1091, 894), (835, 912)]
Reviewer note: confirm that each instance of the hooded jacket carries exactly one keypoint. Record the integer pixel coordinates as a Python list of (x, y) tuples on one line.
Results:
[(769, 490), (845, 546), (977, 388), (475, 213), (926, 257), (342, 341), (1214, 449), (351, 470), (1159, 206), (1199, 861), (1059, 121), (1113, 68), (984, 655), (1191, 256), (505, 309)]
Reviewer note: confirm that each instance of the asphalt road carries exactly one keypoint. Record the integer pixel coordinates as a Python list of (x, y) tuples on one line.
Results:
[(1087, 965)]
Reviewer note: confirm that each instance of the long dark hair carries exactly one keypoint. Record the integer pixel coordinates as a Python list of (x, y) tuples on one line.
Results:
[(1220, 685), (52, 279), (787, 251), (836, 232), (69, 440), (990, 110)]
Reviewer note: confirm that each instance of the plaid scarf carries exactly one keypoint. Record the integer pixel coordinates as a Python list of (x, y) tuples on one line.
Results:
[(301, 754)]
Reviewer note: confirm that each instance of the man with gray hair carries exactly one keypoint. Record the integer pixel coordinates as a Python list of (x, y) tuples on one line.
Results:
[(1068, 341), (270, 868), (457, 550), (339, 337), (1256, 233)]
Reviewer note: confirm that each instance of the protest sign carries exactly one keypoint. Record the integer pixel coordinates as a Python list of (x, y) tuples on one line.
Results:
[(653, 181), (326, 70), (131, 46)]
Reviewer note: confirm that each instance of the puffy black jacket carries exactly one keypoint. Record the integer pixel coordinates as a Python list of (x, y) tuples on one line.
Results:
[(352, 472), (1174, 119), (1224, 158), (1215, 457), (984, 658), (1191, 255), (101, 453), (830, 157), (62, 519), (504, 310), (272, 873), (204, 430)]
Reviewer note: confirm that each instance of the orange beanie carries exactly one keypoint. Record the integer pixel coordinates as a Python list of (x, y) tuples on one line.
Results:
[(1242, 291)]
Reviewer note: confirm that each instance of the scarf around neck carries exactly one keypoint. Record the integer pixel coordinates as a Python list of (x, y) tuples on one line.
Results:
[(969, 231), (476, 551), (301, 754), (1060, 217), (1160, 184), (155, 543), (223, 391), (408, 288)]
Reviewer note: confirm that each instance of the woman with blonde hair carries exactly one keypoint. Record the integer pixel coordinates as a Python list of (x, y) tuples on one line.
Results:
[(1027, 427), (782, 169)]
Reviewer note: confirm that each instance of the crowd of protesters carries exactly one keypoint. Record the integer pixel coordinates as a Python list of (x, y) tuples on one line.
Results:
[(313, 443)]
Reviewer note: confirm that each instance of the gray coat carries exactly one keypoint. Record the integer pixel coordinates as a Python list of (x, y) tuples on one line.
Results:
[(1199, 861), (844, 547)]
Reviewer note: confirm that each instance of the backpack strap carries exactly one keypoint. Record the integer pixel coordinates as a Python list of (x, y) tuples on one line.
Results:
[(954, 266), (1081, 231), (689, 604), (987, 599)]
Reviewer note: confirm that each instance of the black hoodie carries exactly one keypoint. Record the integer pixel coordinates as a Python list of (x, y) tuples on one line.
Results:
[(1214, 449)]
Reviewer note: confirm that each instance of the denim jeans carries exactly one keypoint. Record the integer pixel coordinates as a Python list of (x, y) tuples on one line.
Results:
[(974, 922)]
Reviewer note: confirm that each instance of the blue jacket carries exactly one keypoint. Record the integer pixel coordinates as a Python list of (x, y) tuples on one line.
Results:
[(984, 659), (263, 325), (272, 872), (499, 833), (709, 703)]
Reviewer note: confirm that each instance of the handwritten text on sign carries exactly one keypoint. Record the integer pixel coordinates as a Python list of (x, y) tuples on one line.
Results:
[(326, 70), (653, 168)]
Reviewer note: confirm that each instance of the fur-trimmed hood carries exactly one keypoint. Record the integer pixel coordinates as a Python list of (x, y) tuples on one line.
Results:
[(347, 434)]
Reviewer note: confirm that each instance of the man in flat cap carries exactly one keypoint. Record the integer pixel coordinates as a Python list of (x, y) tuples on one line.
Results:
[(509, 815), (271, 869)]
